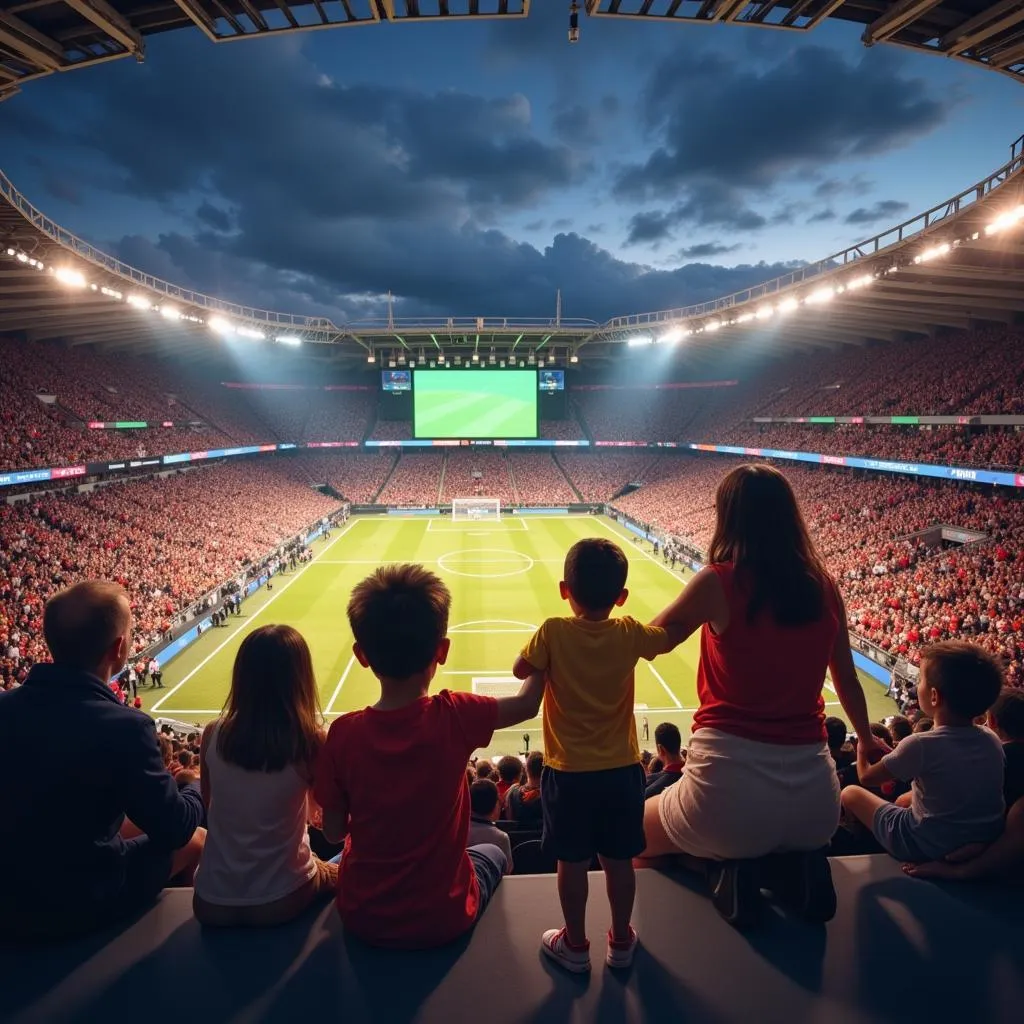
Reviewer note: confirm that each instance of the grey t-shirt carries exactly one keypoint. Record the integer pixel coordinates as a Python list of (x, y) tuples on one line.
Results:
[(957, 774)]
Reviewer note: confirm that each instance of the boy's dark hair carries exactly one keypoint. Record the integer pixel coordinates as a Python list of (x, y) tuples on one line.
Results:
[(924, 725), (185, 758), (881, 732), (900, 727), (668, 736), (835, 730), (510, 768), (595, 573), (399, 616), (483, 797), (656, 765), (484, 769), (968, 678), (1008, 713), (534, 765)]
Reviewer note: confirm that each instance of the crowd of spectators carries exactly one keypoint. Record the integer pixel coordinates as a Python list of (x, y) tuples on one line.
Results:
[(168, 541), (478, 472), (416, 479), (599, 476), (539, 480), (357, 476)]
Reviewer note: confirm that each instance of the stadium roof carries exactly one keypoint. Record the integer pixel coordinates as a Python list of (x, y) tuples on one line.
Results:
[(40, 37), (951, 267)]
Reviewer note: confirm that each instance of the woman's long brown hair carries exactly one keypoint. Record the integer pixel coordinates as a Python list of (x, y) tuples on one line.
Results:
[(760, 529), (271, 718)]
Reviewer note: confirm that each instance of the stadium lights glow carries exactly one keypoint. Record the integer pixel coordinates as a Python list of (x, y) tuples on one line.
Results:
[(743, 318), (672, 336), (638, 340), (1009, 219), (764, 312), (371, 358), (288, 339), (251, 332), (859, 282), (933, 253), (139, 302), (574, 358), (819, 296), (71, 278), (476, 357), (713, 325), (219, 325), (787, 305), (170, 312)]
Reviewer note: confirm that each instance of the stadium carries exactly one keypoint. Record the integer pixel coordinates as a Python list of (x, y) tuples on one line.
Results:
[(233, 467)]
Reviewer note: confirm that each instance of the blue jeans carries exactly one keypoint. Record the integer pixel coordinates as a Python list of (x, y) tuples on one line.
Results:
[(489, 865)]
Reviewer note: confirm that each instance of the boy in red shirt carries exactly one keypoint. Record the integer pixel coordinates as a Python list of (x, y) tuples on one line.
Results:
[(406, 879)]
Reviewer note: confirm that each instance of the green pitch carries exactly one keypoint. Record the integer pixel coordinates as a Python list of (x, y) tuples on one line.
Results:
[(504, 582), (475, 403)]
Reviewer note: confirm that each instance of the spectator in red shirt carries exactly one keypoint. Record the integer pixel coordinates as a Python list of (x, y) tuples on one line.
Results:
[(406, 879), (510, 771)]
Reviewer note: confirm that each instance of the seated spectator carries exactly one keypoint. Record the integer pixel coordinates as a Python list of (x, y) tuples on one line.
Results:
[(484, 807), (956, 768), (510, 771), (422, 887), (484, 769), (1006, 720), (256, 770), (838, 744), (900, 728), (670, 753), (97, 867), (522, 804)]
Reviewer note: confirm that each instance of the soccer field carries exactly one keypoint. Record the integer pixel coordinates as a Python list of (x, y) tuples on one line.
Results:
[(504, 582)]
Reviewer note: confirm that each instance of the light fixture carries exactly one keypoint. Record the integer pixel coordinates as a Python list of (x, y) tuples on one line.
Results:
[(69, 277), (671, 336), (788, 305), (371, 358), (574, 358), (251, 332), (139, 302), (170, 312), (288, 339), (638, 340)]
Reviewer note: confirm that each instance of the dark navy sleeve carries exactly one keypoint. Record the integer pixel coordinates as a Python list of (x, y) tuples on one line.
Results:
[(154, 803)]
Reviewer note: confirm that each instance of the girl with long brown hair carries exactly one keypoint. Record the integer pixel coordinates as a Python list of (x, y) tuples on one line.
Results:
[(256, 772), (759, 798)]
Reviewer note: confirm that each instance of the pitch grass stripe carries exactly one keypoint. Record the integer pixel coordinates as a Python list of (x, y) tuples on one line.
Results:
[(341, 683), (657, 675), (249, 621)]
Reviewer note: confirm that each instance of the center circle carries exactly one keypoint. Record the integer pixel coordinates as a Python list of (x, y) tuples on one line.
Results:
[(519, 562)]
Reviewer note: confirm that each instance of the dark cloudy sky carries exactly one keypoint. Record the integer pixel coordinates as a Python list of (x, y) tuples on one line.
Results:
[(473, 169)]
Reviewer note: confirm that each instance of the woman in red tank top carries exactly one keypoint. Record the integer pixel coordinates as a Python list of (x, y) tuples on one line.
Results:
[(759, 798)]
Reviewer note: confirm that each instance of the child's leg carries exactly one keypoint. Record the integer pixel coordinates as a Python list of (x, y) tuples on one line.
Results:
[(620, 880), (573, 889), (862, 804)]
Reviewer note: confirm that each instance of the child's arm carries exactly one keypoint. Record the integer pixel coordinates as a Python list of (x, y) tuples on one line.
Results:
[(702, 600), (904, 763), (330, 795), (525, 704), (870, 775)]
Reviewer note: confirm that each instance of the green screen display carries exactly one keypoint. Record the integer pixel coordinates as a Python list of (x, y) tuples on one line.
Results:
[(474, 403)]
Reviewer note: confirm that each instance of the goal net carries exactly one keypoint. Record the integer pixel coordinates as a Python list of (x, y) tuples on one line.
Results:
[(476, 510)]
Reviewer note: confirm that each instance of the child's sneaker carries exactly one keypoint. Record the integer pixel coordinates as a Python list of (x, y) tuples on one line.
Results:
[(557, 947), (620, 954)]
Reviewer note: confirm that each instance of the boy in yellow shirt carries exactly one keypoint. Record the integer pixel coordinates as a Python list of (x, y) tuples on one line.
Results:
[(592, 787)]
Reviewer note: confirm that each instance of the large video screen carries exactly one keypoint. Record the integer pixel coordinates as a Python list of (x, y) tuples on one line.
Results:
[(474, 403), (396, 380), (551, 380)]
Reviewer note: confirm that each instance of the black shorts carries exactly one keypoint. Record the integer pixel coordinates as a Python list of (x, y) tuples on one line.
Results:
[(587, 813)]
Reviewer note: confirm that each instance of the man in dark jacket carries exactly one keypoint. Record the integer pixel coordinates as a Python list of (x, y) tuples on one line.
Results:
[(74, 764), (670, 751)]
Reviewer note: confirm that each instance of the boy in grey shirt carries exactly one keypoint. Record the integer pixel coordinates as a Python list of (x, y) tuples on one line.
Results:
[(956, 768)]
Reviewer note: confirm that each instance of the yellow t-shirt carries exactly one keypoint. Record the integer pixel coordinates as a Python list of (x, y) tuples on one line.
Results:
[(588, 702)]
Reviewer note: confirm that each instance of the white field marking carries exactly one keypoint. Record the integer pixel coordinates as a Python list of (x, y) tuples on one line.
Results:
[(517, 626), (525, 525), (639, 547), (341, 683), (640, 707), (657, 675), (249, 620), (465, 526), (461, 555)]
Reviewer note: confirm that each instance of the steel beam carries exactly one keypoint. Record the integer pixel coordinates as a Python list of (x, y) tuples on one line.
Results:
[(104, 17)]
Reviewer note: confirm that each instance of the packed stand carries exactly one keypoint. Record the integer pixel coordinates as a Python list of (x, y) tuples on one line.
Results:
[(167, 541), (415, 481), (391, 430), (478, 472), (539, 480), (561, 430), (357, 476), (599, 476), (340, 414)]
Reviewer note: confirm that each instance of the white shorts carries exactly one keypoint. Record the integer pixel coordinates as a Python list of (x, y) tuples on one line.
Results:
[(739, 798)]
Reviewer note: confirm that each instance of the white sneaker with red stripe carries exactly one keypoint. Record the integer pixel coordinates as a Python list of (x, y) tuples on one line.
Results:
[(557, 947), (620, 954)]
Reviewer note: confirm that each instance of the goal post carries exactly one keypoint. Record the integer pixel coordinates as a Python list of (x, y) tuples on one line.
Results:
[(476, 510)]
